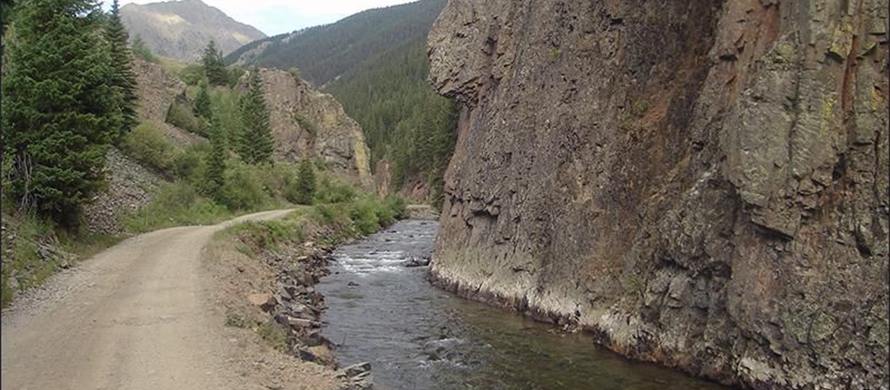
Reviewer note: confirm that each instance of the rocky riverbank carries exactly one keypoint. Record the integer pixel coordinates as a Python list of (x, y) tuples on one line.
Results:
[(266, 286)]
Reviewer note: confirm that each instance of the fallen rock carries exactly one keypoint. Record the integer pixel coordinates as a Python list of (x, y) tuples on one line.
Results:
[(415, 262), (264, 301), (355, 370)]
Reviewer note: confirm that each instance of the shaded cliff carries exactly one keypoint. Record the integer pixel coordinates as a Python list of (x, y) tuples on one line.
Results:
[(307, 123), (701, 184)]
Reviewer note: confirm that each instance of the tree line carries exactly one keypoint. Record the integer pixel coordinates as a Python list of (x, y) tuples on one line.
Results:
[(68, 93)]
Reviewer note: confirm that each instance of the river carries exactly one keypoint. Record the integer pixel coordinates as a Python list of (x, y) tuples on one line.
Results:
[(419, 337)]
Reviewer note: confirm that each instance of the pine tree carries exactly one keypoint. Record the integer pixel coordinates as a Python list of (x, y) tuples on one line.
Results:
[(214, 68), (305, 186), (216, 160), (139, 49), (58, 107), (202, 102), (6, 7), (255, 144), (123, 81)]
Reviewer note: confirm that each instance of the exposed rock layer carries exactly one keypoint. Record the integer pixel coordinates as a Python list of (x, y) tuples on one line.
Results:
[(701, 184), (307, 123)]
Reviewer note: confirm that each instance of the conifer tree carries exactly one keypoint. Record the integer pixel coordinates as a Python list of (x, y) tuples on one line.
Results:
[(216, 160), (202, 102), (123, 81), (255, 143), (58, 108), (305, 186), (214, 68)]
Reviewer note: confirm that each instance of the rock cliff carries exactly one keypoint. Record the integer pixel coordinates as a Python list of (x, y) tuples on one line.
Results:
[(307, 123), (702, 184)]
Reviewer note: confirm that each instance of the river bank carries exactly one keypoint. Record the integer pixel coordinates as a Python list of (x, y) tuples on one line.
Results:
[(262, 286)]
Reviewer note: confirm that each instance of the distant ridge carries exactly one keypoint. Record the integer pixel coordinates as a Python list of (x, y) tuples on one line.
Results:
[(327, 52), (181, 29)]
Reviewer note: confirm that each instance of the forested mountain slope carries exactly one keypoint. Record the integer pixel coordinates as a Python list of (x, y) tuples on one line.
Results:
[(326, 52), (375, 64)]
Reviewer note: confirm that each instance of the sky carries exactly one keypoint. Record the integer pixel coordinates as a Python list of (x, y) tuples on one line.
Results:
[(274, 17)]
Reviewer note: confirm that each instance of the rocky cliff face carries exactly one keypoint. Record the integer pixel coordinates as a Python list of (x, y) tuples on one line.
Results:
[(701, 184), (309, 124)]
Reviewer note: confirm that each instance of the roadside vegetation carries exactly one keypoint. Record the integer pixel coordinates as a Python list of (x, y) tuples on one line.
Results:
[(54, 149)]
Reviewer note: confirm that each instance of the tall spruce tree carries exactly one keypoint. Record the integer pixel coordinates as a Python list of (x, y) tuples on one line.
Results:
[(123, 81), (58, 107), (214, 68), (202, 102), (305, 185), (216, 160), (255, 143)]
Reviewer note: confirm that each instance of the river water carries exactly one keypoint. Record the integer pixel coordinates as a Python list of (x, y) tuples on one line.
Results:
[(419, 337)]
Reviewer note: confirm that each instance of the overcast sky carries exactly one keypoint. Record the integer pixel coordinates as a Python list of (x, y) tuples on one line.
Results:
[(274, 17)]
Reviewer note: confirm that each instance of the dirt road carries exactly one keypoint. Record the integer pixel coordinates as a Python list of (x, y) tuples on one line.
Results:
[(132, 317)]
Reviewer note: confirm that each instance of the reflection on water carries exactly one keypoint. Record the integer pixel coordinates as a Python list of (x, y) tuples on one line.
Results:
[(419, 337)]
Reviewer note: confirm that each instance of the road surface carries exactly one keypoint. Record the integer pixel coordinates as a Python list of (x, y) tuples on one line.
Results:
[(133, 317)]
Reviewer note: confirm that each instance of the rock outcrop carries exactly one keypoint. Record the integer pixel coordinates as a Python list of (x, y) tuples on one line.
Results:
[(700, 184), (307, 123), (157, 90)]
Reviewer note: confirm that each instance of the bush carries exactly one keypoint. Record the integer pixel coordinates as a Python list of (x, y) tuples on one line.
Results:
[(244, 188), (192, 74), (181, 116), (175, 204), (148, 145), (332, 190), (191, 163)]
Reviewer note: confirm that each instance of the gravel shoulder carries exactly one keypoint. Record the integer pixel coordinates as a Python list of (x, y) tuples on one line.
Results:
[(133, 317)]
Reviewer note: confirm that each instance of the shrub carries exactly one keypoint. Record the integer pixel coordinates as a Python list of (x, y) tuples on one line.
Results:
[(181, 116), (175, 204), (191, 163), (306, 123), (148, 145), (332, 190), (243, 189), (192, 74)]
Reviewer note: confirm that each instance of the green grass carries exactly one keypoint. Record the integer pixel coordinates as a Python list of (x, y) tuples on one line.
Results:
[(29, 268), (274, 334)]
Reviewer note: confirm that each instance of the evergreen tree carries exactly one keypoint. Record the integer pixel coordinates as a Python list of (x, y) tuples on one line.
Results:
[(202, 102), (58, 107), (139, 49), (214, 68), (255, 144), (305, 186), (216, 160), (6, 7), (123, 81)]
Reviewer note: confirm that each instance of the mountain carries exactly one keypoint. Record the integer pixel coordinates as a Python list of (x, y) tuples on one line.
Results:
[(327, 52), (181, 29), (375, 64), (704, 186)]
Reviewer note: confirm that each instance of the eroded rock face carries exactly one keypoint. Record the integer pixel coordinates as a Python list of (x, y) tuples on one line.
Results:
[(701, 184), (157, 90), (307, 123)]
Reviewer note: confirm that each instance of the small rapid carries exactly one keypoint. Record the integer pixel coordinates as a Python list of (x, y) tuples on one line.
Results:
[(419, 337)]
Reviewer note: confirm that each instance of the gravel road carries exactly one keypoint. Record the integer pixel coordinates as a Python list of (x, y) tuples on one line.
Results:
[(132, 317)]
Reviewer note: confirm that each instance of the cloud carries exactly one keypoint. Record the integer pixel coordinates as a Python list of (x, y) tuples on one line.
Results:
[(279, 16)]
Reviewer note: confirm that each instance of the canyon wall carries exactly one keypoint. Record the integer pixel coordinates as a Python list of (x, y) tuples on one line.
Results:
[(702, 184), (307, 123)]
